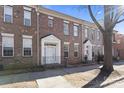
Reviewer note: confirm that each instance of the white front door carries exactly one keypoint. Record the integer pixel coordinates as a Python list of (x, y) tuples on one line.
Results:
[(50, 54)]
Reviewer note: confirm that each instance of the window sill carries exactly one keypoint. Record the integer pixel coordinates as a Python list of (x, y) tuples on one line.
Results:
[(27, 56), (7, 56), (8, 22)]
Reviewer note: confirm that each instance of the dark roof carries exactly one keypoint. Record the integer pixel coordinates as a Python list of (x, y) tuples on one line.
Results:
[(85, 41), (46, 35)]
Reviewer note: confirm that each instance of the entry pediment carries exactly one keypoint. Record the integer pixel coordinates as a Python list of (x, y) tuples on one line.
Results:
[(51, 38)]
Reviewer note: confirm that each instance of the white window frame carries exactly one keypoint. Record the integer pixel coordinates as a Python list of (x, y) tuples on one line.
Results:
[(86, 32), (67, 43), (50, 18), (66, 22), (98, 35), (27, 9), (27, 37), (76, 31), (76, 44), (7, 35), (11, 15)]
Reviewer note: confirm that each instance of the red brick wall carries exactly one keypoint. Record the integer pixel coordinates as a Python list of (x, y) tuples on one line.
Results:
[(18, 29)]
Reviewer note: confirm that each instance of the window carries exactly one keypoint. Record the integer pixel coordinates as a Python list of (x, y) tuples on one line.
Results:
[(98, 35), (66, 28), (27, 45), (86, 33), (8, 14), (7, 45), (113, 37), (27, 16), (66, 49), (76, 46), (92, 33), (75, 27), (50, 21)]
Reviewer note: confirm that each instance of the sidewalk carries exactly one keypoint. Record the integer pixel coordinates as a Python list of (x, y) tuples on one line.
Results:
[(74, 77)]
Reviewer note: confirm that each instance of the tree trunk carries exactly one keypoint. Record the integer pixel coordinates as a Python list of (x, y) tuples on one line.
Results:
[(108, 65)]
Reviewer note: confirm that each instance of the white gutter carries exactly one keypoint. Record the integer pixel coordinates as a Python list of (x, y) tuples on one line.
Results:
[(37, 10)]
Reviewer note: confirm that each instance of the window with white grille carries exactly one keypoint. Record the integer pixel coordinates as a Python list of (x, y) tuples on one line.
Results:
[(76, 46), (75, 27), (7, 45), (66, 28), (27, 45), (50, 21), (8, 14), (27, 17), (66, 49)]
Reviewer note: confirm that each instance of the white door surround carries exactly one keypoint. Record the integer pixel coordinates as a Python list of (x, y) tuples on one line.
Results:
[(50, 50), (88, 49)]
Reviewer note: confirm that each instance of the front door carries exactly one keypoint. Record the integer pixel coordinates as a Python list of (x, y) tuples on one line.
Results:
[(50, 53)]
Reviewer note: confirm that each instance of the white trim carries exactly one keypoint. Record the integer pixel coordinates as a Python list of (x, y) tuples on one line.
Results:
[(27, 36), (24, 17), (76, 43), (66, 42), (11, 15), (27, 8), (76, 24), (52, 40), (50, 17), (65, 21), (7, 35)]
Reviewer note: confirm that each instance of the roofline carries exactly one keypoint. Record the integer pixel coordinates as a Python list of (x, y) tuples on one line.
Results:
[(63, 16)]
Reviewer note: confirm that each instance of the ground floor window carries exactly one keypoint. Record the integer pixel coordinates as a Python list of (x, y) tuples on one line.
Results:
[(66, 49), (7, 45), (76, 46), (27, 45)]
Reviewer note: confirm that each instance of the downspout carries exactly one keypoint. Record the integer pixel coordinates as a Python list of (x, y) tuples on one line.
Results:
[(38, 53)]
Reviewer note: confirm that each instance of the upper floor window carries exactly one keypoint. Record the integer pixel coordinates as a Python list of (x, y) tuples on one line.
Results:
[(66, 49), (27, 16), (50, 21), (92, 34), (76, 46), (8, 14), (113, 37), (75, 27), (86, 33), (27, 45), (7, 45), (66, 28), (98, 35)]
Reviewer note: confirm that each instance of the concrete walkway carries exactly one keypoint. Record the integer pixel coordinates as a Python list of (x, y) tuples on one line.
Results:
[(54, 82)]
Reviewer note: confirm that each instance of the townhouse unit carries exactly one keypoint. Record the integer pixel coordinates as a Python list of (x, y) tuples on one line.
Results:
[(118, 45), (30, 35), (93, 41)]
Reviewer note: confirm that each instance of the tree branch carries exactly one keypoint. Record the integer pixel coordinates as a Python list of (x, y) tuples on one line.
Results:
[(94, 19), (119, 21)]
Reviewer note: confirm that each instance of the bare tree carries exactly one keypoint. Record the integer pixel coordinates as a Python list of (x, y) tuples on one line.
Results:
[(112, 16)]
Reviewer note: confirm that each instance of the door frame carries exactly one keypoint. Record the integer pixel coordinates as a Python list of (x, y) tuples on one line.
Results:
[(51, 39)]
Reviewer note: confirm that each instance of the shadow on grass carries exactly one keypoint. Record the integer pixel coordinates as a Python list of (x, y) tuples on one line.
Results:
[(112, 82), (96, 82)]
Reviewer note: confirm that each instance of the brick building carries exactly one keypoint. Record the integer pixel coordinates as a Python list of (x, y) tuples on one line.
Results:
[(33, 35), (30, 36), (118, 45)]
